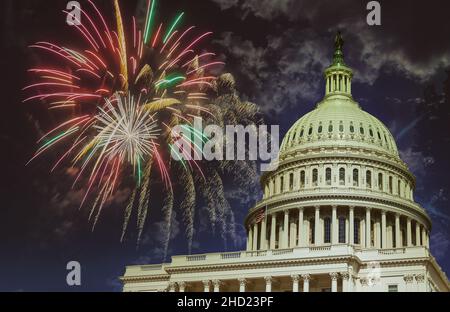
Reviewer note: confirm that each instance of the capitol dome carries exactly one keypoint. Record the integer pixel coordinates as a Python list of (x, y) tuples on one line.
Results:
[(339, 180)]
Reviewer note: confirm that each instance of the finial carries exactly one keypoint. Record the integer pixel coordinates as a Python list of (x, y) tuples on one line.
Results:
[(338, 58)]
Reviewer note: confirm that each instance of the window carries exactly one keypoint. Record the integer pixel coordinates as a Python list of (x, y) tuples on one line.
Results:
[(379, 136), (341, 127), (398, 187), (327, 230), (328, 176), (355, 177), (311, 231), (352, 129), (392, 288), (371, 132), (314, 177), (291, 181), (369, 179), (320, 128), (380, 181), (356, 234), (342, 230), (281, 184), (390, 185), (330, 127), (310, 130), (341, 176), (302, 179), (301, 133), (361, 129)]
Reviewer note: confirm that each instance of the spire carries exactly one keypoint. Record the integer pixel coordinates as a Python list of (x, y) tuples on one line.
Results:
[(338, 75), (338, 57)]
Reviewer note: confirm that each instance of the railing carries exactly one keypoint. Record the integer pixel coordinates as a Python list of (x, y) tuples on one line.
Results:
[(282, 251), (256, 253), (196, 258), (320, 248), (151, 267), (391, 251), (230, 255)]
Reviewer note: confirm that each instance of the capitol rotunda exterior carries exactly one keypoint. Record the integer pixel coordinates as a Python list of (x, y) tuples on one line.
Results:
[(338, 214)]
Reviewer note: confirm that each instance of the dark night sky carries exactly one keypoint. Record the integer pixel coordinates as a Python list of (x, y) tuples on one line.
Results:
[(277, 51)]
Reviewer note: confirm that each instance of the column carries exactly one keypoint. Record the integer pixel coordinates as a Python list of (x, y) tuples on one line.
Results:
[(250, 238), (317, 240), (327, 85), (427, 243), (408, 233), (293, 233), (301, 238), (334, 226), (368, 231), (206, 285), (383, 229), (345, 281), (417, 234), (409, 279), (268, 280), (273, 231), (263, 243), (255, 236), (334, 278), (295, 280), (424, 236), (377, 232), (242, 283), (181, 286), (351, 234), (397, 231), (171, 286), (306, 278), (216, 284), (285, 241), (420, 283)]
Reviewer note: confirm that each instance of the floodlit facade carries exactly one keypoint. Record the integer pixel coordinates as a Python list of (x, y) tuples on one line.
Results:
[(338, 214)]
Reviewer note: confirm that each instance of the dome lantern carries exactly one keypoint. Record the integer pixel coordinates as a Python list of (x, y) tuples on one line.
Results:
[(338, 76)]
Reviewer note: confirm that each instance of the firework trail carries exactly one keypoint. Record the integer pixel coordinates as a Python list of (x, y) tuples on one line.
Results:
[(121, 94)]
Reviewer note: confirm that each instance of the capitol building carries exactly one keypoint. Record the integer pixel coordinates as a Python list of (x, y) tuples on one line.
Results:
[(338, 214)]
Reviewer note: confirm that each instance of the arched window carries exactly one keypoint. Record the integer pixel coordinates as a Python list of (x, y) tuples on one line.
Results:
[(301, 133), (352, 129), (361, 129), (281, 184), (341, 176), (328, 176), (327, 230), (310, 130), (314, 177), (320, 128), (369, 179), (355, 177), (341, 127), (390, 185), (291, 181), (342, 230), (302, 179), (330, 127), (398, 187), (356, 234), (371, 132), (380, 181), (379, 135)]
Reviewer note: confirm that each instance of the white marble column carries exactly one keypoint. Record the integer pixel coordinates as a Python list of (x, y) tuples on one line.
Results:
[(295, 281), (216, 284), (345, 281), (293, 233), (285, 241), (206, 285), (250, 238), (242, 284), (383, 229), (317, 238), (408, 233), (273, 231), (268, 280), (334, 226), (255, 236), (171, 286), (181, 286), (368, 231), (397, 231), (377, 233), (417, 234), (334, 278), (306, 278), (301, 235), (263, 243), (409, 279), (424, 236), (351, 234)]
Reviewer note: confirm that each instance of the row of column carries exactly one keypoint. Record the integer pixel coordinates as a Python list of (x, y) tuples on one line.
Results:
[(291, 232), (347, 285), (338, 82)]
